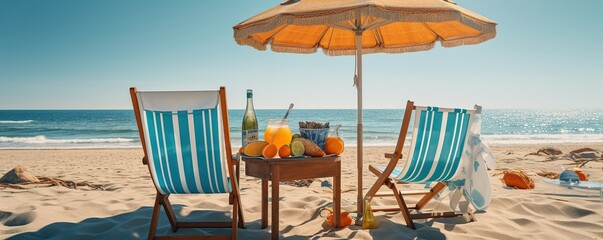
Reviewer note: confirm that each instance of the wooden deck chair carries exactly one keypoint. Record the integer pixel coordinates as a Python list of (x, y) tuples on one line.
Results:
[(186, 143), (438, 138)]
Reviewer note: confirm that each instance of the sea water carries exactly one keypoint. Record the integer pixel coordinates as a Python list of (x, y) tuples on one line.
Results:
[(64, 129)]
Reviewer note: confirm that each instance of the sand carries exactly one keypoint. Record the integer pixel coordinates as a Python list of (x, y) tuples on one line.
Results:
[(123, 209)]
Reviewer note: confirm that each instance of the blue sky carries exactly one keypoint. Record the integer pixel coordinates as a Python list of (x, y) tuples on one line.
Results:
[(86, 54)]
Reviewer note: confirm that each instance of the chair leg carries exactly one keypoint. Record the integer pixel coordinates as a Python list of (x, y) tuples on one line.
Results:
[(235, 217), (397, 195), (404, 211), (238, 199), (167, 206), (425, 199), (240, 208), (402, 206), (155, 217), (162, 199)]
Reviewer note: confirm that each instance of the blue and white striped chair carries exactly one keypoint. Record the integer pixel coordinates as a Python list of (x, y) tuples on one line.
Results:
[(186, 143), (439, 140)]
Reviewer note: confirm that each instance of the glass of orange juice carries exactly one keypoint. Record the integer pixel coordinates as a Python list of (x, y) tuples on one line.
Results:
[(278, 132)]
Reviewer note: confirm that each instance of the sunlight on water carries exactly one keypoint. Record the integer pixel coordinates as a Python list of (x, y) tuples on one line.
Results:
[(117, 128)]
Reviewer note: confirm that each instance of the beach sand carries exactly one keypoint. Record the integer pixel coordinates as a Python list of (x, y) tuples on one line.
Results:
[(123, 209)]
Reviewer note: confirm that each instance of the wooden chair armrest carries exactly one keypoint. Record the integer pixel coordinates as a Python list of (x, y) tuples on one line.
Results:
[(391, 155), (236, 162), (235, 158), (375, 171)]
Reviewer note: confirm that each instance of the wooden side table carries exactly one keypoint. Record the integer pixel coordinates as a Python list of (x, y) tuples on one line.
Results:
[(277, 170)]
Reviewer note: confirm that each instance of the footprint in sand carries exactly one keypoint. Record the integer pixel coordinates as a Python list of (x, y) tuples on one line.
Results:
[(5, 215), (20, 219)]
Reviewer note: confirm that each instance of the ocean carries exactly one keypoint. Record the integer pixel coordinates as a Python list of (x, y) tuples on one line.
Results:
[(67, 129)]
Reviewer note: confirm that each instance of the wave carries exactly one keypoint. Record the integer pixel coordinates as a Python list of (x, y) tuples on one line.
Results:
[(15, 121), (67, 130), (41, 139)]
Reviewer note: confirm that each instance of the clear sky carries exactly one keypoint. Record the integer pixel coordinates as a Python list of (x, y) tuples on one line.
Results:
[(86, 54)]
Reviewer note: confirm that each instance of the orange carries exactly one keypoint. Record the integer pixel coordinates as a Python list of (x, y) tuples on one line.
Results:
[(334, 145), (254, 149), (284, 151), (241, 150), (270, 151)]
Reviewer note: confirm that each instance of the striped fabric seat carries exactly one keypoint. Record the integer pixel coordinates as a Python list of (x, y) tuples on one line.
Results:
[(186, 143), (442, 151), (439, 137), (185, 147)]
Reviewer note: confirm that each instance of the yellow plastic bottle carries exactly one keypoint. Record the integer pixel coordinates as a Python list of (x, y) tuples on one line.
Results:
[(368, 220)]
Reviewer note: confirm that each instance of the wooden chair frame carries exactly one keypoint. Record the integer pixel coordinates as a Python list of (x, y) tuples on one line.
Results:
[(383, 179), (162, 199)]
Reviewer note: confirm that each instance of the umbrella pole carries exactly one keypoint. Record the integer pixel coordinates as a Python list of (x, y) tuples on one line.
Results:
[(359, 153)]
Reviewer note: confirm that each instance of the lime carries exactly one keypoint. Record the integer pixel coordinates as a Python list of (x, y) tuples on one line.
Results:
[(297, 148), (295, 136)]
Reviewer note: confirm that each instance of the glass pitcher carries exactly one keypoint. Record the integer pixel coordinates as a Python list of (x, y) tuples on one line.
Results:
[(278, 132)]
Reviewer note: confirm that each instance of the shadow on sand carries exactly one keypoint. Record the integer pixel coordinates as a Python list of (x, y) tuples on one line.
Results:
[(135, 225)]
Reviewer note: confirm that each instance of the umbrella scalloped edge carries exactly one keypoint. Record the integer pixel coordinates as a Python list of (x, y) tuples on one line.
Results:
[(243, 32)]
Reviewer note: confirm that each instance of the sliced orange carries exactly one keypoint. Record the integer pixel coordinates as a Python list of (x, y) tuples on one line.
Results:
[(254, 149), (270, 151)]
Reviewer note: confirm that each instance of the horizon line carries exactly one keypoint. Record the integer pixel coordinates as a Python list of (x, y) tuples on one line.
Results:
[(120, 109)]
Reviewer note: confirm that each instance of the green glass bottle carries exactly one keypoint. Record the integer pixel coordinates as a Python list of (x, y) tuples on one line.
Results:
[(250, 122)]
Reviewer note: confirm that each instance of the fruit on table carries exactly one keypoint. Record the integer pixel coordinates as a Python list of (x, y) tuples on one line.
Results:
[(241, 150), (284, 151), (334, 145), (295, 136), (255, 149), (269, 151), (311, 149), (297, 148)]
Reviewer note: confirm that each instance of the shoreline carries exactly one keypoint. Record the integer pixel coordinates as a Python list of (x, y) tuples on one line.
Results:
[(347, 146)]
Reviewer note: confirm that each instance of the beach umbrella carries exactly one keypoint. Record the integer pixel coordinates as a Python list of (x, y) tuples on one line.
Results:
[(356, 27)]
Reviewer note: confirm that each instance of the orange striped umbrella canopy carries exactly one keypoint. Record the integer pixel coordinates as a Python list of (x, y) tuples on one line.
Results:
[(390, 26), (348, 27)]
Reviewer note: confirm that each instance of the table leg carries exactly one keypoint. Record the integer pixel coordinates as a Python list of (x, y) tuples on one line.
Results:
[(275, 184), (337, 196), (264, 203), (238, 170)]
